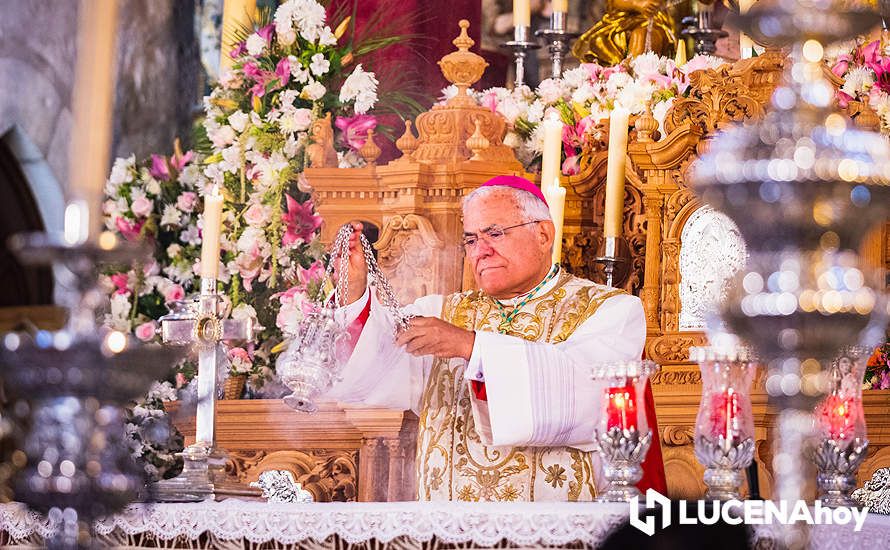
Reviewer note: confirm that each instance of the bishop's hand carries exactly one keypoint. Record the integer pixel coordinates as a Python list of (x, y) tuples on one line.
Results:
[(433, 336), (357, 270)]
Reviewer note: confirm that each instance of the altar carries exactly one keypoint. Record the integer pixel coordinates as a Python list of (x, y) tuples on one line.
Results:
[(383, 526)]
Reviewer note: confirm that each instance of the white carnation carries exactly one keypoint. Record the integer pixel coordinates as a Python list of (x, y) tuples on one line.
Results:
[(119, 318), (535, 112), (575, 77), (310, 18), (857, 81), (163, 391), (171, 215), (583, 93), (647, 64), (255, 44), (121, 172)]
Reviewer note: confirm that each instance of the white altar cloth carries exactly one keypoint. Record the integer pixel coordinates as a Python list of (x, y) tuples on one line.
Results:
[(477, 524)]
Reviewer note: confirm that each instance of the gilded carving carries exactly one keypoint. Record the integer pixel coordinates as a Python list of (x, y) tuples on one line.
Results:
[(673, 348), (320, 152), (677, 436), (328, 475)]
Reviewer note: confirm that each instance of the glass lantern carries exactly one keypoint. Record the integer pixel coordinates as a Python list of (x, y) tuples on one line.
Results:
[(724, 427), (622, 434), (840, 425)]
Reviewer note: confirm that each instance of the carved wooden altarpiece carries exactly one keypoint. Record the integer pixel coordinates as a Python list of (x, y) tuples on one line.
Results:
[(415, 201)]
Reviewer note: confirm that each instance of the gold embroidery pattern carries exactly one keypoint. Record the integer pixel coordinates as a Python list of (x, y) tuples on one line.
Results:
[(449, 442)]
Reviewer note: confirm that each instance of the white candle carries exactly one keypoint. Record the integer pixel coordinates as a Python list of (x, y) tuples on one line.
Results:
[(213, 206), (551, 157), (556, 201), (92, 109), (522, 15), (560, 5), (237, 14), (746, 45), (614, 211)]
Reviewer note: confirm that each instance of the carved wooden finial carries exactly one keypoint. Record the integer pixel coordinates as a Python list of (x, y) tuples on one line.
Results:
[(463, 67), (646, 126), (407, 143), (369, 150), (477, 142), (463, 42)]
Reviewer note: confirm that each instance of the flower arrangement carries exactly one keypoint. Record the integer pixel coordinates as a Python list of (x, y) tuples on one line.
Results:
[(584, 96), (865, 69), (290, 72), (877, 370)]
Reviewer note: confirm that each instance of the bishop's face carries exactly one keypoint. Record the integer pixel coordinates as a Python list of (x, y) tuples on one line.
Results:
[(506, 263)]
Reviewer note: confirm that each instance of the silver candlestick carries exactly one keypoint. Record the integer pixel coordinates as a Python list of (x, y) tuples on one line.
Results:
[(67, 391), (203, 474), (612, 259), (558, 39), (520, 46)]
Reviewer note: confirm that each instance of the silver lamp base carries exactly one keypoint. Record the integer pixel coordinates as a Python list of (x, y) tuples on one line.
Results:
[(622, 451)]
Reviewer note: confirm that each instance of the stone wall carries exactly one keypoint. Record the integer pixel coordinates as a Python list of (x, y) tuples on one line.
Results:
[(157, 65)]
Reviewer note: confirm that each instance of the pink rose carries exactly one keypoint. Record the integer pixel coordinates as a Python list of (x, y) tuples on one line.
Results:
[(302, 118), (129, 230), (240, 354), (257, 215), (186, 201), (572, 165), (146, 331), (141, 207), (173, 293)]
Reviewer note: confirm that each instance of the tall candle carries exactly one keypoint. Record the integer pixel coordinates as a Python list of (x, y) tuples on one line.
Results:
[(746, 45), (556, 201), (680, 57), (213, 205), (522, 14), (552, 154), (92, 109), (237, 14), (621, 408), (614, 211), (560, 5)]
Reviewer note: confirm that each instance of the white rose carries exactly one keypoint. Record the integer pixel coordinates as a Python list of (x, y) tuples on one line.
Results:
[(174, 250), (222, 136)]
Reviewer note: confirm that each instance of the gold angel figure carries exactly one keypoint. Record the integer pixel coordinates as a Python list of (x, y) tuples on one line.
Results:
[(628, 28)]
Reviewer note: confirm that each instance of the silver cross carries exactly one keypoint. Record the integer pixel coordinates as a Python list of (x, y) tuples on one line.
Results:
[(201, 326)]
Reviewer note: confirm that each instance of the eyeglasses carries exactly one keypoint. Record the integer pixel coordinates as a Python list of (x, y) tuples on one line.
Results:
[(491, 234)]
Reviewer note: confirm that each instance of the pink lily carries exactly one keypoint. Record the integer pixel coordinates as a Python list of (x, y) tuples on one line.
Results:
[(301, 221), (843, 63), (266, 32), (252, 71), (843, 99), (315, 272), (355, 129), (179, 161), (120, 280), (129, 230), (282, 71), (594, 69), (870, 53), (885, 380), (881, 67), (159, 169), (239, 50)]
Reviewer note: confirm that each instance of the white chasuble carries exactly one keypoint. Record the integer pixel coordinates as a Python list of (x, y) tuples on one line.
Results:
[(530, 438)]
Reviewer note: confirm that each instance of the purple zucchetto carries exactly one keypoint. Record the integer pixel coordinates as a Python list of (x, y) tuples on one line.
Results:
[(516, 182)]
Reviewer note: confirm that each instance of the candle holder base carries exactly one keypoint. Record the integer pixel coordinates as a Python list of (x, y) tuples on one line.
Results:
[(622, 450), (725, 461), (614, 256), (203, 477), (837, 470)]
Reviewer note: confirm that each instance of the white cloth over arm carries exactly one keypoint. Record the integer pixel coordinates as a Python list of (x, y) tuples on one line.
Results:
[(379, 372), (541, 394)]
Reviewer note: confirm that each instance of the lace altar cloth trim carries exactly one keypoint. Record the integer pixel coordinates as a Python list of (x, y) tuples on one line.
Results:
[(482, 524)]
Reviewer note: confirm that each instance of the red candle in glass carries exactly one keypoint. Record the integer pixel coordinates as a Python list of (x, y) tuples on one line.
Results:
[(724, 413), (621, 408), (837, 416)]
